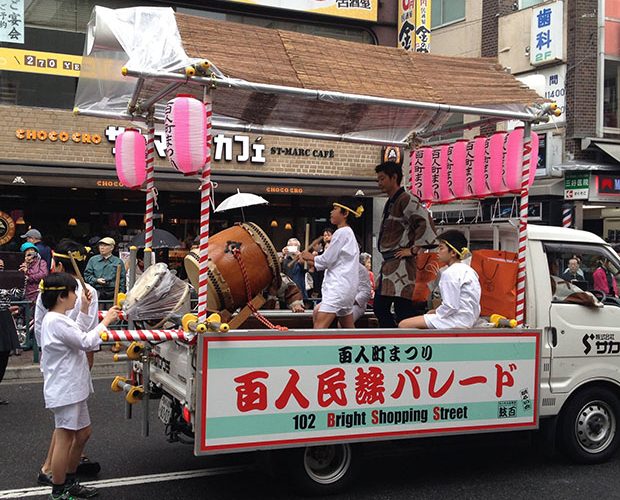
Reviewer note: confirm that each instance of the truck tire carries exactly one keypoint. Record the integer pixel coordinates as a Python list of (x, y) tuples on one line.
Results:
[(589, 427), (320, 470)]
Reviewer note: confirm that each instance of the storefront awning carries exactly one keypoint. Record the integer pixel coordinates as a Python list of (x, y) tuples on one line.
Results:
[(548, 187), (610, 147)]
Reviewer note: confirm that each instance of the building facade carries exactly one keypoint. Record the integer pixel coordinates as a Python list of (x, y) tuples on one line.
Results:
[(57, 170)]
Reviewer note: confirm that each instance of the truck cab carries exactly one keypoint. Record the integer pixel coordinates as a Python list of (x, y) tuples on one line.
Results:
[(580, 347)]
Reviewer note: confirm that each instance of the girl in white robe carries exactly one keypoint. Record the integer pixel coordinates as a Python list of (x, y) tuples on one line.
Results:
[(459, 287), (340, 261)]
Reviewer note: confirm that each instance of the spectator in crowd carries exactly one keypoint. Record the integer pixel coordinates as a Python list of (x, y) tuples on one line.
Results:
[(603, 279), (8, 332), (573, 272), (291, 267), (34, 236), (366, 260), (287, 295), (101, 270), (34, 268), (364, 292)]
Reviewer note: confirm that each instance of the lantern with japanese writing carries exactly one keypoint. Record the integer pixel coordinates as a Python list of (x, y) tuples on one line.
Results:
[(185, 125), (498, 148), (446, 180), (421, 174), (130, 158), (456, 172), (482, 162), (514, 159)]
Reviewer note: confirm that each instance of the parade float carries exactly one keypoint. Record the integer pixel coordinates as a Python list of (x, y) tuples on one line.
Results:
[(315, 397)]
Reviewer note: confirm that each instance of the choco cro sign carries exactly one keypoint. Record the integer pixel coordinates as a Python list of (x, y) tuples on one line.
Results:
[(267, 391)]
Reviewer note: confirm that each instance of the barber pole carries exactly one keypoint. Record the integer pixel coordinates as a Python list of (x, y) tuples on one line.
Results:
[(523, 214), (567, 217), (205, 197), (145, 335), (150, 188)]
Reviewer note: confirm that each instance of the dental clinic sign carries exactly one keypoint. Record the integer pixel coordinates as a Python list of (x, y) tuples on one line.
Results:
[(547, 34)]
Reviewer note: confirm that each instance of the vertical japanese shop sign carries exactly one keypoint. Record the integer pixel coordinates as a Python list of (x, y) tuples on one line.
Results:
[(406, 24), (12, 21), (423, 27), (265, 391), (547, 35)]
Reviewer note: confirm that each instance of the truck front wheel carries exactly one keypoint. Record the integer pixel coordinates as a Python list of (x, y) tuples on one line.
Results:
[(588, 431), (321, 470)]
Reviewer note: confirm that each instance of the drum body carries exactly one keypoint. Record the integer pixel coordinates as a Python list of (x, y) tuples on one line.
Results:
[(226, 287)]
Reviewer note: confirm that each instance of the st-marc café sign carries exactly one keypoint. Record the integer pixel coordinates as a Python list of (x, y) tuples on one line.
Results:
[(227, 148)]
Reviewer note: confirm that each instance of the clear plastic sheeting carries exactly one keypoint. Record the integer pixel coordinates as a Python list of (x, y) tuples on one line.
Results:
[(142, 37), (157, 295)]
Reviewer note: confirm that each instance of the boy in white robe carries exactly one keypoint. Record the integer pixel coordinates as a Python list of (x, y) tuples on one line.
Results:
[(340, 261), (459, 287), (66, 377)]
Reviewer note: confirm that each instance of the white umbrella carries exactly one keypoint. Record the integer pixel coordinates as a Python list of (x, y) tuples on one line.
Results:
[(240, 200)]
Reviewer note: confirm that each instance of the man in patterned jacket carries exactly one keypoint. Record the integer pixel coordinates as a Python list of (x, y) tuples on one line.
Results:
[(406, 227)]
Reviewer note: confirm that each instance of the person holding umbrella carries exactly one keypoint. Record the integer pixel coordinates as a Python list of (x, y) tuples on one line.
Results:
[(101, 270)]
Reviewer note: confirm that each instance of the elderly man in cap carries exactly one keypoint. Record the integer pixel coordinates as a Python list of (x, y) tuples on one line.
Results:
[(101, 270), (34, 236)]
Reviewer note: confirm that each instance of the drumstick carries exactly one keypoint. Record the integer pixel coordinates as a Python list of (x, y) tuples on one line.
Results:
[(77, 272), (117, 285)]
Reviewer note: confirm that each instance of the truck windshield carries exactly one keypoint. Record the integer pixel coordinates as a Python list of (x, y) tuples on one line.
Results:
[(588, 267)]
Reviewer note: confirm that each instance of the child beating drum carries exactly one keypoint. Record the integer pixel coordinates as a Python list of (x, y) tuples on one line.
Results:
[(66, 377)]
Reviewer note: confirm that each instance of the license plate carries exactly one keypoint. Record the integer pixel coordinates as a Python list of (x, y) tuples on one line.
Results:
[(164, 412)]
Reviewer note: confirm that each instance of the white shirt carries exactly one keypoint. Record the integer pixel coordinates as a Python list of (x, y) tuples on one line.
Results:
[(40, 311), (460, 298), (340, 262), (66, 377)]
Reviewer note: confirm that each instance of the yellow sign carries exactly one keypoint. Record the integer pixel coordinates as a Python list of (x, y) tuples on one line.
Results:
[(46, 63), (423, 27), (355, 9), (406, 24), (54, 136)]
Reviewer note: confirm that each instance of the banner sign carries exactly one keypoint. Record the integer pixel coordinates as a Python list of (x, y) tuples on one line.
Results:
[(423, 26), (354, 9), (547, 35), (12, 21), (46, 63), (406, 24), (264, 391)]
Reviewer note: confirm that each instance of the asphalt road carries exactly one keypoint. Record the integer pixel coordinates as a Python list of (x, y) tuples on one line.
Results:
[(477, 467)]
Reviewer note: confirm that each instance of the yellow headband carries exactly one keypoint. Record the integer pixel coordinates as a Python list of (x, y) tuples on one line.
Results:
[(357, 212), (76, 255), (44, 288), (461, 254)]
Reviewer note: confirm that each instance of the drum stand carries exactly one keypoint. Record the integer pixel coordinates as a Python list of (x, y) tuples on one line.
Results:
[(246, 311)]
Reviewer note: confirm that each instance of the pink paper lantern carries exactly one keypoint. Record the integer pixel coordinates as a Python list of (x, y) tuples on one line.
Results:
[(130, 158), (421, 174), (185, 125), (482, 167), (498, 147), (446, 180), (514, 159), (456, 169)]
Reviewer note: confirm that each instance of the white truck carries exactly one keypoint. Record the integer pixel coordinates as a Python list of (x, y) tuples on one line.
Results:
[(319, 392)]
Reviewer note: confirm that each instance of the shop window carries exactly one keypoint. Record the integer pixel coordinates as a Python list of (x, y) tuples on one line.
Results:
[(524, 4), (611, 95), (446, 12), (330, 31), (586, 267), (68, 15)]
